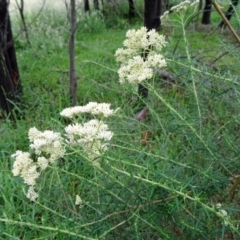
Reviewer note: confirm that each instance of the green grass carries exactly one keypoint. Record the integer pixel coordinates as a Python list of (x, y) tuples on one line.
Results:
[(162, 177)]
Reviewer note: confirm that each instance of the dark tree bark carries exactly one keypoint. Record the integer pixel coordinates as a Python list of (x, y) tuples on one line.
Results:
[(206, 17), (72, 71), (131, 9), (229, 12), (152, 12), (10, 87), (86, 6)]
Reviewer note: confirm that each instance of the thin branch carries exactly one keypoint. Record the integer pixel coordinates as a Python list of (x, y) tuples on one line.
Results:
[(20, 32), (21, 11), (223, 54), (132, 207), (107, 88), (72, 70), (225, 20)]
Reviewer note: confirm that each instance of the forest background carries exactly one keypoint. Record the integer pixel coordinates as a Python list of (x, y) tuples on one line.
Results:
[(171, 170)]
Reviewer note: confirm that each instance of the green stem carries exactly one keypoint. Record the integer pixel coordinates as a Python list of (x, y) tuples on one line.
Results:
[(70, 233), (192, 77)]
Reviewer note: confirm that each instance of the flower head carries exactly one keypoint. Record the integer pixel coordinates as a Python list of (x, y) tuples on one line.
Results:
[(48, 142), (94, 108), (179, 8), (78, 200), (136, 68), (42, 163), (164, 17), (24, 167), (135, 71), (92, 136), (223, 214), (31, 194)]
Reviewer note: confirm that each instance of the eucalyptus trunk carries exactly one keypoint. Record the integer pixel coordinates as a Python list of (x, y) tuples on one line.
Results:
[(206, 17), (86, 6), (10, 86), (131, 9)]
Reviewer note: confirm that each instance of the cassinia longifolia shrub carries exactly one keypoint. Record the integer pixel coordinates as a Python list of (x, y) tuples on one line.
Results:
[(139, 59)]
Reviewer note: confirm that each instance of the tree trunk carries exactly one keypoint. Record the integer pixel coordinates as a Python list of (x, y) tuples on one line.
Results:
[(131, 9), (10, 87), (86, 6), (72, 71), (229, 12), (152, 12), (206, 17)]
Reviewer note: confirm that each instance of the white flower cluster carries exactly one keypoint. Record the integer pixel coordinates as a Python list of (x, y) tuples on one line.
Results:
[(93, 135), (48, 146), (222, 213), (164, 17), (78, 200), (180, 8), (25, 167), (141, 56), (47, 143), (94, 108), (88, 132), (183, 6)]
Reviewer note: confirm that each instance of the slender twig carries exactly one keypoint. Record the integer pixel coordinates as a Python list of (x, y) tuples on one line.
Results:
[(130, 209), (219, 57), (20, 7), (107, 88), (47, 228), (235, 185), (215, 60), (34, 19), (180, 37)]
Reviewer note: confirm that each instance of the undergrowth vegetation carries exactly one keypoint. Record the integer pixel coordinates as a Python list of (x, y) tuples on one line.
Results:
[(172, 175)]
